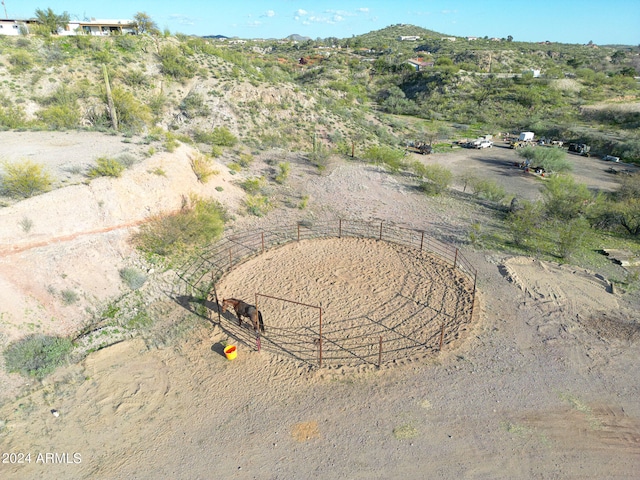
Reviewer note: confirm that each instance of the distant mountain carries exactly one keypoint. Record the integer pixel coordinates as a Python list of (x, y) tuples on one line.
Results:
[(217, 37), (298, 38)]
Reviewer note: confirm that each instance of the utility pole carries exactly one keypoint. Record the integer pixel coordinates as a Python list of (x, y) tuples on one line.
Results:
[(5, 10)]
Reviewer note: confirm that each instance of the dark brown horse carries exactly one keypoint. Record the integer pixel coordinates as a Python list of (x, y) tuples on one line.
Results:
[(243, 309)]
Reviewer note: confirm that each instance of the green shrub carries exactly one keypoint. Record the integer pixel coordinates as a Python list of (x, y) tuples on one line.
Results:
[(198, 223), (564, 198), (258, 205), (391, 157), (253, 185), (223, 137), (524, 223), (157, 104), (21, 60), (170, 142), (133, 278), (11, 116), (488, 189), (283, 172), (37, 355), (319, 157), (135, 78), (216, 151), (201, 166), (439, 178), (24, 179), (106, 167), (245, 159), (551, 159), (175, 64), (59, 117), (571, 236), (132, 114), (193, 105)]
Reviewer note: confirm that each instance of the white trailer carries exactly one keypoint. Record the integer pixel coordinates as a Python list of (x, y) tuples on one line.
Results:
[(525, 137)]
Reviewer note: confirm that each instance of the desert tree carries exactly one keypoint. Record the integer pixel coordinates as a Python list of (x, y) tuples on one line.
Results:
[(52, 21), (144, 24)]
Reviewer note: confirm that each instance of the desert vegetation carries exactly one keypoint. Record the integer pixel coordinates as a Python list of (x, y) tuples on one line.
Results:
[(361, 95), (355, 98)]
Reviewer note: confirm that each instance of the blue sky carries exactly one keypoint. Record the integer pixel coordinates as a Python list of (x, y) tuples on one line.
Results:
[(569, 21)]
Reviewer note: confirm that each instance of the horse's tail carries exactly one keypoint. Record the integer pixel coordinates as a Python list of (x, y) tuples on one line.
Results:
[(260, 320)]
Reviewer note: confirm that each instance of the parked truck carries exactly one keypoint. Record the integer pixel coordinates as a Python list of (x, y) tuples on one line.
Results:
[(580, 149), (419, 147)]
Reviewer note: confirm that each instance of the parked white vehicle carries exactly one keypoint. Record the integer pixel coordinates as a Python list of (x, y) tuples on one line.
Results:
[(485, 144), (611, 158), (526, 137)]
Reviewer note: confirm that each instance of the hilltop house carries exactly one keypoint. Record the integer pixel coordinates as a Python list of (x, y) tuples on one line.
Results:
[(75, 27), (100, 27), (408, 38), (12, 26)]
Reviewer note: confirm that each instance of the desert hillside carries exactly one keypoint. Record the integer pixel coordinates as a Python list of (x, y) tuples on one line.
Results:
[(478, 291)]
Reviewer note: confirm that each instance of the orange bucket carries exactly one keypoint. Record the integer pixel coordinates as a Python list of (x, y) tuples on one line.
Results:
[(230, 352)]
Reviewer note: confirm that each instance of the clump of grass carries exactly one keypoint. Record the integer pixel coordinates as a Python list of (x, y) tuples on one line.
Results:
[(201, 166), (258, 205), (106, 167), (37, 355), (26, 224), (253, 185), (69, 297), (404, 432), (283, 172), (133, 278), (234, 168), (245, 159)]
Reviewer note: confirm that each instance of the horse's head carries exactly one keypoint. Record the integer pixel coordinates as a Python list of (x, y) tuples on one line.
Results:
[(225, 304)]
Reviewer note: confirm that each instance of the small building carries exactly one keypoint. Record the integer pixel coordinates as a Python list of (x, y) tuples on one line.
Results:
[(100, 27), (13, 26), (472, 38), (450, 39), (408, 38), (419, 64)]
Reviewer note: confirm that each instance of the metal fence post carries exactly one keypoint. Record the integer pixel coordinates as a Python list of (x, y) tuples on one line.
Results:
[(380, 231), (215, 293), (298, 232), (340, 228), (441, 337), (455, 260), (421, 240), (262, 241), (230, 259), (320, 339)]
